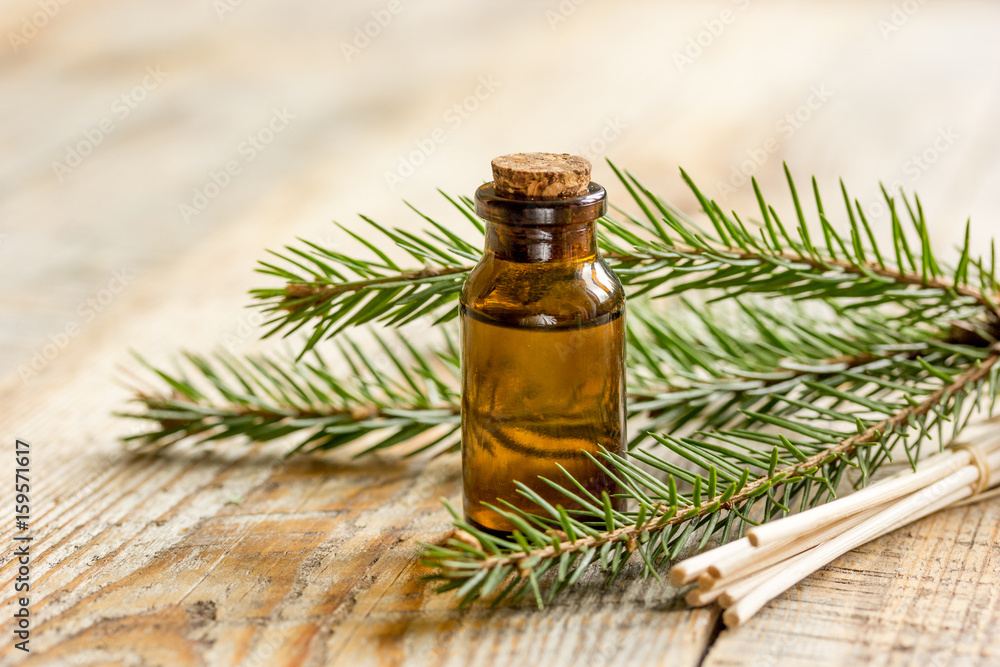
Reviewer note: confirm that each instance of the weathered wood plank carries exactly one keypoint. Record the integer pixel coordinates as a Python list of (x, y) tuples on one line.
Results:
[(928, 594), (313, 562)]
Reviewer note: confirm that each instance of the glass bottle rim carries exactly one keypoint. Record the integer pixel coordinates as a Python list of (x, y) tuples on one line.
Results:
[(535, 211)]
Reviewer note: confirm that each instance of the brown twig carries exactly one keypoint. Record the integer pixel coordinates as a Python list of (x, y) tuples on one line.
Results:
[(320, 293)]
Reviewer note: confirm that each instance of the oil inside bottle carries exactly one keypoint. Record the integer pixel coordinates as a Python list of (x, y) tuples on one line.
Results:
[(534, 400)]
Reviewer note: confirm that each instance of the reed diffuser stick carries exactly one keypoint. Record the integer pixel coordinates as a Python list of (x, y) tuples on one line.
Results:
[(745, 575)]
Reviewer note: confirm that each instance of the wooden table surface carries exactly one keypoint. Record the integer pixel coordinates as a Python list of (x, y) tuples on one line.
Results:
[(233, 555)]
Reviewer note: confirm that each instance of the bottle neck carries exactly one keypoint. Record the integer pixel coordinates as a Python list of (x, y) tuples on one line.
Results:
[(537, 230), (542, 243)]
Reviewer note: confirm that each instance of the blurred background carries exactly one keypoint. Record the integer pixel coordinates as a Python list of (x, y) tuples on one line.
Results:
[(150, 152)]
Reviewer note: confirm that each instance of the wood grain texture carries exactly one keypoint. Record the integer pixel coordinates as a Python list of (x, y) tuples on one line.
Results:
[(236, 556), (926, 594)]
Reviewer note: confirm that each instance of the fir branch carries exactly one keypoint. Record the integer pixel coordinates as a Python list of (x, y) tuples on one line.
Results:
[(264, 398), (706, 364), (737, 261), (553, 539), (336, 291), (676, 374), (666, 253)]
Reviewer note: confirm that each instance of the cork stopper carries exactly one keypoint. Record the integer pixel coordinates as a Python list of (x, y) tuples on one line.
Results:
[(541, 175)]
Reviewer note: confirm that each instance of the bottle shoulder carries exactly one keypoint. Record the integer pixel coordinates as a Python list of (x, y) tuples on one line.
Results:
[(543, 294)]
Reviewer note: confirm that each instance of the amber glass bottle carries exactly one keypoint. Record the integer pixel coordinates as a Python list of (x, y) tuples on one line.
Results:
[(543, 322)]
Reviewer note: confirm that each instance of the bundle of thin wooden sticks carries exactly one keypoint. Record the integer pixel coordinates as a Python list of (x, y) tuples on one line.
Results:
[(746, 574)]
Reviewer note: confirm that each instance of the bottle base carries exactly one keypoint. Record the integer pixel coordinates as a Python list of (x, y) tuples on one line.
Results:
[(505, 534)]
